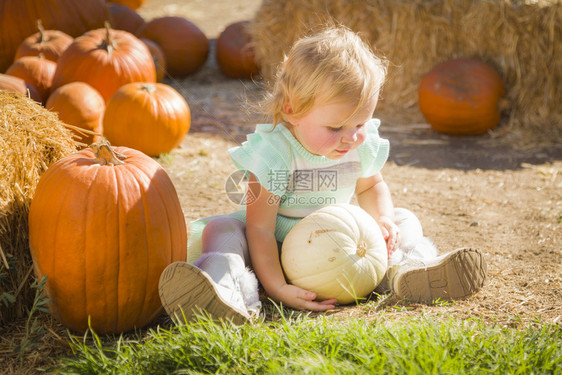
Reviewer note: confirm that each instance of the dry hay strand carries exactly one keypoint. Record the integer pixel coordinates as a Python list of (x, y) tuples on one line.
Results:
[(31, 139), (522, 39)]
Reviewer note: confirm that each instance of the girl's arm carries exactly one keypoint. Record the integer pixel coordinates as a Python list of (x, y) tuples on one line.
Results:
[(261, 216), (374, 197)]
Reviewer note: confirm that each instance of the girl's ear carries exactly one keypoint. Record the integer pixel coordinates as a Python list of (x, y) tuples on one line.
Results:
[(288, 110)]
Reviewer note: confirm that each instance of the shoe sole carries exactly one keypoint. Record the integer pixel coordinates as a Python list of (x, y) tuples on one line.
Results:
[(187, 291), (459, 274)]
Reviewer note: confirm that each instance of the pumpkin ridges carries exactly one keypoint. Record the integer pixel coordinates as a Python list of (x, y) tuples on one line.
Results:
[(151, 215), (101, 266), (167, 191), (47, 236), (62, 271)]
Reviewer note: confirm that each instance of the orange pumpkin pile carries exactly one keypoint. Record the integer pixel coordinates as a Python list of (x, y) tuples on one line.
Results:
[(103, 252), (105, 222)]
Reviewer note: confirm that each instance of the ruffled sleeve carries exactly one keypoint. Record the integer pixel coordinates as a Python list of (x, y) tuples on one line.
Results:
[(266, 153), (373, 153)]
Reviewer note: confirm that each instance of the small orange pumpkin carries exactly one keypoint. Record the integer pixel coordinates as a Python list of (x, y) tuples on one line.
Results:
[(461, 97), (184, 45), (103, 225), (16, 84), (79, 104), (158, 58), (50, 43), (152, 118), (235, 53), (35, 70), (133, 4), (106, 59), (124, 18)]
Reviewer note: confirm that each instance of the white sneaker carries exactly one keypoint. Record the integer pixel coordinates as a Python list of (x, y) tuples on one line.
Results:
[(188, 290), (454, 275)]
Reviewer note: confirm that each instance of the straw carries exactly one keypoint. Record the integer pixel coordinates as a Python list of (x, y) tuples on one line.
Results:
[(31, 139), (521, 39)]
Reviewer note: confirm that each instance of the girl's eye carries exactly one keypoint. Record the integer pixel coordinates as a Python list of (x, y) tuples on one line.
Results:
[(335, 130)]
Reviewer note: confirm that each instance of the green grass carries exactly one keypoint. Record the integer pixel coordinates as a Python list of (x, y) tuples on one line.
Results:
[(304, 345)]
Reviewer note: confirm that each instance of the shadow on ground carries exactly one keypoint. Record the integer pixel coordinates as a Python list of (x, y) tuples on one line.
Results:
[(418, 145)]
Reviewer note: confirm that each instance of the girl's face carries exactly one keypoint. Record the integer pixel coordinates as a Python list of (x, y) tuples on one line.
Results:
[(328, 130)]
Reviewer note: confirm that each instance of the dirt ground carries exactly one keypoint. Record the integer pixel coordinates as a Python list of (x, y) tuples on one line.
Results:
[(479, 192)]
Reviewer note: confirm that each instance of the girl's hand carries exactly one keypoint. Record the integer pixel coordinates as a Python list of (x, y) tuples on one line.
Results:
[(390, 233), (301, 299)]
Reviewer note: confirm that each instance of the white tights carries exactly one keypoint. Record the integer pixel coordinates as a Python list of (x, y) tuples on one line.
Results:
[(227, 236)]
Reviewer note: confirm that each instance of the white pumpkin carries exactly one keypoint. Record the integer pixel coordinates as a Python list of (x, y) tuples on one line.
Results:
[(337, 252)]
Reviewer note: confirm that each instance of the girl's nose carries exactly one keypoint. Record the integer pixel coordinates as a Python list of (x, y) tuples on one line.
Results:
[(350, 136)]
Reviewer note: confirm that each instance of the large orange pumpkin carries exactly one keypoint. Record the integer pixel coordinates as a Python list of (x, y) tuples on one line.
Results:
[(35, 70), (49, 43), (185, 46), (16, 84), (106, 59), (152, 118), (102, 228), (235, 53), (461, 97), (18, 20), (80, 105)]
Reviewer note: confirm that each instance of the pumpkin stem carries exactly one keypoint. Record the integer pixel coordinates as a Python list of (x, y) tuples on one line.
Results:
[(109, 44), (105, 155), (148, 87), (41, 32), (361, 249)]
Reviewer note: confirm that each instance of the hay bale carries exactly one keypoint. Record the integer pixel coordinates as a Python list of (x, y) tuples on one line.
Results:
[(31, 139), (522, 39)]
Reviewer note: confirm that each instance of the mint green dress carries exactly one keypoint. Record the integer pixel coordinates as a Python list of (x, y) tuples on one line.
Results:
[(302, 181)]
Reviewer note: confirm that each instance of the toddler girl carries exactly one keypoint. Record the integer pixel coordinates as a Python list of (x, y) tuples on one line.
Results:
[(322, 148)]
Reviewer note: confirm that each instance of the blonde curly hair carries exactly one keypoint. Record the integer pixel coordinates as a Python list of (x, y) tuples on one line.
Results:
[(333, 64)]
